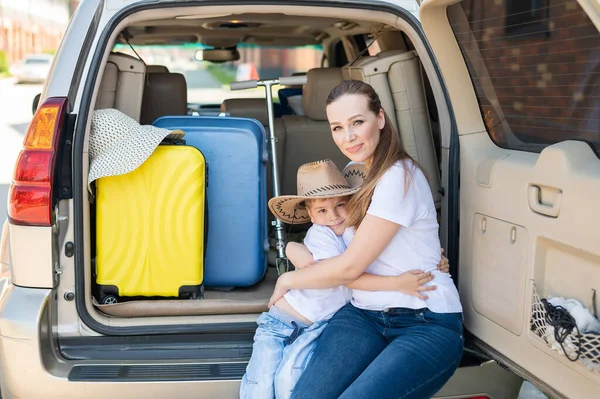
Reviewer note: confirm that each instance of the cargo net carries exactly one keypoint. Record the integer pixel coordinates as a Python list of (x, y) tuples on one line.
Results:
[(557, 328)]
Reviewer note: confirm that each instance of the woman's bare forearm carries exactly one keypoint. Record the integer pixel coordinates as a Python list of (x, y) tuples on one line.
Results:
[(374, 282), (371, 238)]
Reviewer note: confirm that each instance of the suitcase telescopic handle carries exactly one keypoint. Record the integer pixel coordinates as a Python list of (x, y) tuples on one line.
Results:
[(284, 80), (243, 85)]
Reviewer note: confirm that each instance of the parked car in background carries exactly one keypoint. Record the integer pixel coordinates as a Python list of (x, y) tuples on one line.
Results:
[(32, 69)]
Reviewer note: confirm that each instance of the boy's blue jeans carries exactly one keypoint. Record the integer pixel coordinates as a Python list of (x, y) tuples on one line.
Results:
[(399, 353), (282, 348)]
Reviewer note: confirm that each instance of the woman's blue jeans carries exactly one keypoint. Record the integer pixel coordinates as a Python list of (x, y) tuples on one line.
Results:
[(397, 353)]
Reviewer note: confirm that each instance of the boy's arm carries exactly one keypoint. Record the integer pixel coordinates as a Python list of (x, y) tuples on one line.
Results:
[(410, 283), (322, 242), (299, 255)]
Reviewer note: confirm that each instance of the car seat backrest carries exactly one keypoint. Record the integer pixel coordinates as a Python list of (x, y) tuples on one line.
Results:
[(165, 94), (397, 78), (308, 138), (255, 108), (122, 85)]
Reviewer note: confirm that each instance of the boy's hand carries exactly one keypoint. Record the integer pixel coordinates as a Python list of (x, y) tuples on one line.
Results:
[(444, 266), (412, 283)]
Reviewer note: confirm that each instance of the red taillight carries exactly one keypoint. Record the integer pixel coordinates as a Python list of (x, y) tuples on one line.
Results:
[(33, 167), (30, 196)]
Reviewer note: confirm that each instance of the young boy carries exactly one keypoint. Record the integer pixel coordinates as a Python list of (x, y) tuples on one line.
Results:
[(286, 335)]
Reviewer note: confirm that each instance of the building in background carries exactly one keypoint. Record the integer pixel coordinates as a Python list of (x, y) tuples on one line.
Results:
[(272, 62), (33, 26), (544, 84)]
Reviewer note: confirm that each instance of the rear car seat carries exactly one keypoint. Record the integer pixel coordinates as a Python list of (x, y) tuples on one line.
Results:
[(255, 108), (122, 85), (397, 78), (165, 94), (308, 138)]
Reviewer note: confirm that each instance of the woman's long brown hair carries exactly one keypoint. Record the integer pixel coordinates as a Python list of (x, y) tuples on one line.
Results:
[(389, 150)]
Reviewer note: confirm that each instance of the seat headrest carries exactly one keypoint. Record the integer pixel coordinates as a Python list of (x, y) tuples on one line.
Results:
[(164, 94), (255, 108), (319, 83), (156, 68)]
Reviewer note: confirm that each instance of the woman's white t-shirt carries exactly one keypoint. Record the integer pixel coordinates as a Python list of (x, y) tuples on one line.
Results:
[(416, 245)]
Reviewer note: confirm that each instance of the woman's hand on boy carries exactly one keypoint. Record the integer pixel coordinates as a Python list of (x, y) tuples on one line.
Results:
[(280, 289), (413, 283), (444, 265)]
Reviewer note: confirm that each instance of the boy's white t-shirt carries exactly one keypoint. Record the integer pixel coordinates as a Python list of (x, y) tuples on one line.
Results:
[(320, 304), (416, 245)]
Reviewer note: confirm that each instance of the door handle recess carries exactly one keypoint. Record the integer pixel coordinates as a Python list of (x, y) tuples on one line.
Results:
[(535, 201)]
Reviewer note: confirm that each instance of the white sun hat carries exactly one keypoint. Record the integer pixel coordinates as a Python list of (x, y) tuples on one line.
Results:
[(119, 144)]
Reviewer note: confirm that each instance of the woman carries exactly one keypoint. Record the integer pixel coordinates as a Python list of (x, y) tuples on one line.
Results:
[(382, 344)]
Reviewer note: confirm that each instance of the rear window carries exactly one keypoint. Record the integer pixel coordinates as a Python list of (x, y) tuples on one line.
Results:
[(208, 82), (535, 65)]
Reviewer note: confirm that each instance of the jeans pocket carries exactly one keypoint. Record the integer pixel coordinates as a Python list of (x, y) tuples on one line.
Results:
[(459, 316), (453, 321)]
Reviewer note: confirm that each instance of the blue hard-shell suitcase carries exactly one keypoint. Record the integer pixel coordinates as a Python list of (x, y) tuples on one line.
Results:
[(236, 155)]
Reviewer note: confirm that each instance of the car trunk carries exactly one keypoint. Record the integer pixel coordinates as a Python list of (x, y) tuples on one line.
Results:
[(223, 308)]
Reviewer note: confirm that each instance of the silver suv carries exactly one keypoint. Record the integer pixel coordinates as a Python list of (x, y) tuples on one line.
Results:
[(497, 99)]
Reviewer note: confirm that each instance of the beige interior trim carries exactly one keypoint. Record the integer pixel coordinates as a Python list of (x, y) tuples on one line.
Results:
[(238, 301), (505, 244), (122, 85), (165, 308), (592, 9), (506, 247), (350, 47), (436, 85), (320, 12), (454, 71), (108, 87)]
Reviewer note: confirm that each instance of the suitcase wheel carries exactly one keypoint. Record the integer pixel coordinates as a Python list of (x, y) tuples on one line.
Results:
[(109, 300), (192, 292), (198, 293)]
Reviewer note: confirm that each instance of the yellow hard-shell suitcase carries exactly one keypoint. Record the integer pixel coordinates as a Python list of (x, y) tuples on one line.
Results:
[(150, 227)]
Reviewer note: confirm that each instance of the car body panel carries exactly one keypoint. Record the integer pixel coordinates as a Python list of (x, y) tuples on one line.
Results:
[(31, 318), (510, 240)]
